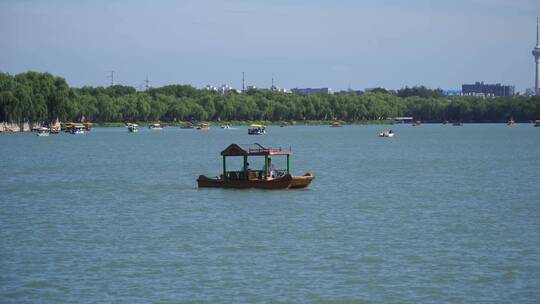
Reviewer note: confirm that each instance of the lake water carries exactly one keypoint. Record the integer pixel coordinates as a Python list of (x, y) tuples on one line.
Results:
[(437, 214)]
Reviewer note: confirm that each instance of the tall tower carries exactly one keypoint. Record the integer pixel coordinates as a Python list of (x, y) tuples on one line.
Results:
[(536, 54)]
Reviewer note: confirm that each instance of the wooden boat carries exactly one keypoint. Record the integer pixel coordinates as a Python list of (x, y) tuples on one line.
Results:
[(203, 127), (335, 124), (267, 178), (256, 129)]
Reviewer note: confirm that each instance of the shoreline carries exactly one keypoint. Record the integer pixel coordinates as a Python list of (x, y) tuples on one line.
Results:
[(247, 123)]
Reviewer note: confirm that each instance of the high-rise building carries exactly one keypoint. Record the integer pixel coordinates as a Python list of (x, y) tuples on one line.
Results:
[(536, 54), (487, 90)]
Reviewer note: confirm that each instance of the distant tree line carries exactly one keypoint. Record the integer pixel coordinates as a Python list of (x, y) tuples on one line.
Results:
[(42, 97)]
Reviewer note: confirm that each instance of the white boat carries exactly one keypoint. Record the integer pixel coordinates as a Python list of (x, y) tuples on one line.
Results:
[(256, 129), (78, 129), (43, 131), (133, 128), (155, 126), (386, 133), (226, 126)]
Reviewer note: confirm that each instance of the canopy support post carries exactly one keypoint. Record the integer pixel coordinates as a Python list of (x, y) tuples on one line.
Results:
[(246, 168), (224, 168), (288, 163), (265, 166)]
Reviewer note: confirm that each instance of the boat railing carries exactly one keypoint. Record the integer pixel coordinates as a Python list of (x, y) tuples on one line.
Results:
[(253, 174), (236, 175), (261, 150)]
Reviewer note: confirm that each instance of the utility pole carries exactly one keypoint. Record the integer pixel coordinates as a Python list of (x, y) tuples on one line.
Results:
[(111, 76), (146, 83), (243, 83)]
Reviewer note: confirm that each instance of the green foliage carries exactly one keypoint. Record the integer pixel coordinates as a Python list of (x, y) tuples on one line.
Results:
[(34, 96), (419, 91)]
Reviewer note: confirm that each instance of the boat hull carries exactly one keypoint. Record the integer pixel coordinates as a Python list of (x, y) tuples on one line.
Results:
[(285, 182)]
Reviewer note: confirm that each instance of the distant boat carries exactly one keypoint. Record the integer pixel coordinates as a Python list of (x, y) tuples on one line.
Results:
[(87, 126), (417, 123), (385, 133), (55, 129), (335, 124), (69, 127), (445, 122), (187, 125), (133, 128), (78, 129), (203, 127), (42, 131), (256, 129), (155, 126), (511, 123), (537, 123), (226, 126)]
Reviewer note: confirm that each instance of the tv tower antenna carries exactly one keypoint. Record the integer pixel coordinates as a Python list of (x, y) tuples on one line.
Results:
[(243, 83), (536, 54)]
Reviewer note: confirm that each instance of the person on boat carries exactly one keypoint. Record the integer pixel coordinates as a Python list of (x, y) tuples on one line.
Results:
[(249, 172), (271, 167)]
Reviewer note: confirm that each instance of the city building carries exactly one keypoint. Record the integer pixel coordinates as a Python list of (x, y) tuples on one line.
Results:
[(487, 90), (536, 54), (210, 88), (311, 91), (452, 93), (223, 89), (529, 92)]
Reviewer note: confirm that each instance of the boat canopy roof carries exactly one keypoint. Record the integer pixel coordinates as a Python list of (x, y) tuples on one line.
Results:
[(252, 150), (256, 125)]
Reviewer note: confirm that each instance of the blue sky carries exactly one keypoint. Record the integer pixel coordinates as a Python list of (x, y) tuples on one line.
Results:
[(301, 43)]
